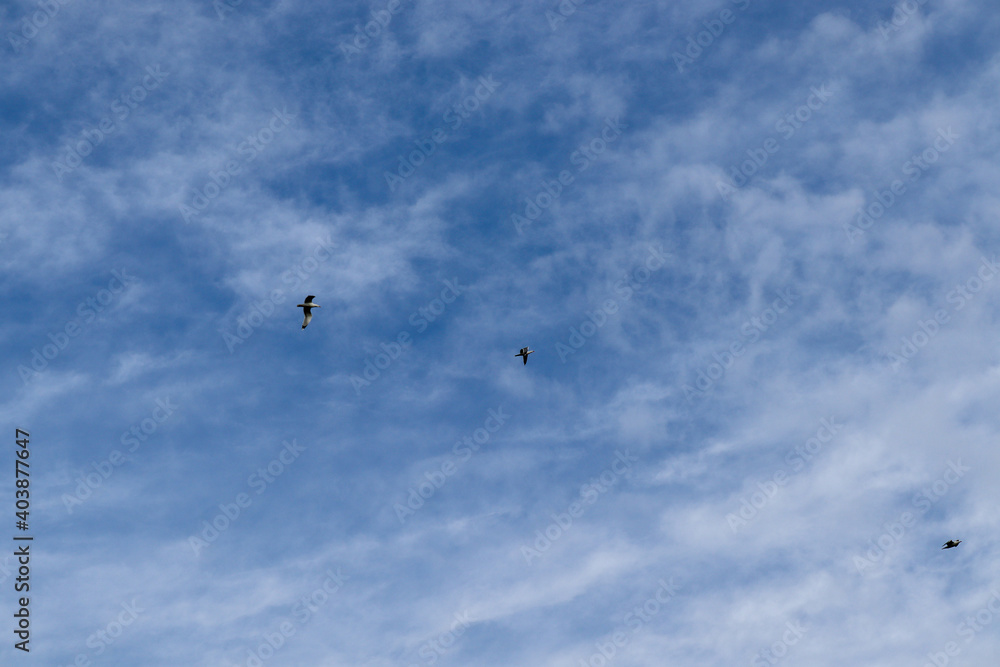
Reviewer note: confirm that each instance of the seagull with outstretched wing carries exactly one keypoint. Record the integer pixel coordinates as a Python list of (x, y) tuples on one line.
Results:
[(307, 309), (524, 353), (951, 544)]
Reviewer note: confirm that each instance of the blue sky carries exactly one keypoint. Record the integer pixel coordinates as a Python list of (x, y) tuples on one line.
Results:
[(753, 245)]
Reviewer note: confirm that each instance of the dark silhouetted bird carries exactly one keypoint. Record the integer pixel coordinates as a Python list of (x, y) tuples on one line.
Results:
[(524, 353), (307, 309), (951, 544)]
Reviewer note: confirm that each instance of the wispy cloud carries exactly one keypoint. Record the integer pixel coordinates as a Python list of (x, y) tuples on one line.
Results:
[(760, 400)]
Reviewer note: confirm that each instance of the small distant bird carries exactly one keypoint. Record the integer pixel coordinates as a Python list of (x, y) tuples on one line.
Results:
[(524, 353), (307, 309), (951, 544)]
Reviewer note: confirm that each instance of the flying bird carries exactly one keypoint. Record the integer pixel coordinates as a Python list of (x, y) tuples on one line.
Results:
[(950, 544), (524, 353), (307, 309)]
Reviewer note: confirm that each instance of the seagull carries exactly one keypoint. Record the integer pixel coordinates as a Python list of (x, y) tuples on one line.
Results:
[(307, 309), (950, 544), (524, 353)]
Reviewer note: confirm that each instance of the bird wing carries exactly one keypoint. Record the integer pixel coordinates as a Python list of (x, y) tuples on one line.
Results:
[(307, 318), (309, 299)]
